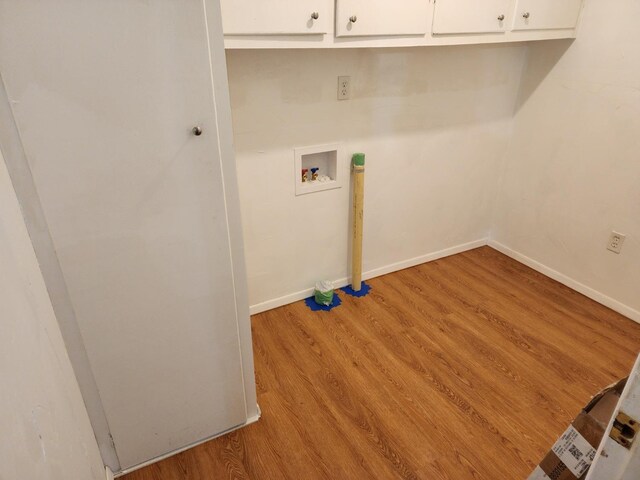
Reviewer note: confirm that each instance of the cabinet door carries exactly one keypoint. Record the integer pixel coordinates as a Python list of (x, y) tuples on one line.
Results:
[(381, 17), (277, 17), (471, 16), (136, 206), (546, 14)]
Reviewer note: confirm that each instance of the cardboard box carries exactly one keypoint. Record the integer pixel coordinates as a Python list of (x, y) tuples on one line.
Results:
[(572, 455)]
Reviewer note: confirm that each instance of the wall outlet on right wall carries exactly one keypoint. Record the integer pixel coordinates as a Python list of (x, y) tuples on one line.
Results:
[(615, 242)]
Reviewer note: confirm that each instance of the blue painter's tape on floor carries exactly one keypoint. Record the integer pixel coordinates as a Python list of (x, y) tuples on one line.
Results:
[(365, 288), (315, 307)]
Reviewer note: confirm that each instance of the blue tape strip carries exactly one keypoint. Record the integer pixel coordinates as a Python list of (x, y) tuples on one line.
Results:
[(315, 307), (365, 288)]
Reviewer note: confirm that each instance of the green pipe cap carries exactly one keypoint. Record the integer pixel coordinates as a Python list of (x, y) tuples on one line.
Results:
[(358, 159)]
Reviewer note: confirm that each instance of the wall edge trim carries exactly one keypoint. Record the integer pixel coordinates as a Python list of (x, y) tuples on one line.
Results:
[(585, 290)]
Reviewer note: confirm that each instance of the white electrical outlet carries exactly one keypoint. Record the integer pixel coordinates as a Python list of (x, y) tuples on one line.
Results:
[(344, 88), (615, 242)]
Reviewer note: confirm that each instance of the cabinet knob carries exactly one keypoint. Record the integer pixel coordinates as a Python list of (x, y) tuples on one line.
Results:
[(353, 19), (526, 15), (315, 15), (197, 130), (501, 17)]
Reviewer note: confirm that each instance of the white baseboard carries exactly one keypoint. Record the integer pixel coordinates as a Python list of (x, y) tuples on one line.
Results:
[(593, 294), (599, 297), (109, 473), (250, 420), (376, 272)]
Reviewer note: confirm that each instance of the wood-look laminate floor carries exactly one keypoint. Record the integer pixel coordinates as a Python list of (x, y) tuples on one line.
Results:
[(467, 367)]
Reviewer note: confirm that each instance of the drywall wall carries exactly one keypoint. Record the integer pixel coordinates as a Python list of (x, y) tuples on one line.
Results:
[(45, 428), (572, 171), (20, 173), (433, 122)]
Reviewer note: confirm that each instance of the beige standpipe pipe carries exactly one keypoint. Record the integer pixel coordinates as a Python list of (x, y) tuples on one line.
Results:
[(358, 208)]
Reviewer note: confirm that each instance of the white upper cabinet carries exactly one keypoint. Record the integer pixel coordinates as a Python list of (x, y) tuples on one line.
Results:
[(281, 17), (546, 14), (381, 17), (471, 16), (394, 23)]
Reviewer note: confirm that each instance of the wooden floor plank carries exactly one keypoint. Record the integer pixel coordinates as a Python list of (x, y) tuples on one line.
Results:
[(467, 367)]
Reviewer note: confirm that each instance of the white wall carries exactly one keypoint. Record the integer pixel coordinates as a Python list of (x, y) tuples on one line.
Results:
[(433, 123), (45, 428), (572, 171)]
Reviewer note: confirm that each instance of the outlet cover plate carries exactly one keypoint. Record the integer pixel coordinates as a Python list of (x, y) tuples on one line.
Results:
[(344, 88), (615, 242)]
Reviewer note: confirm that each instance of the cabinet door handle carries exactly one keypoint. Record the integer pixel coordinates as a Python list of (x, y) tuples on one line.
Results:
[(315, 15), (526, 15), (197, 130), (353, 19), (501, 17)]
